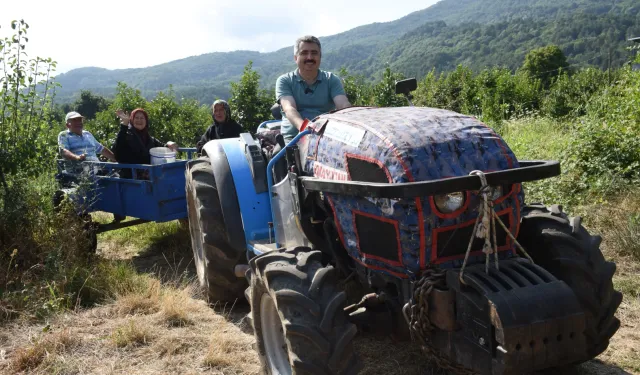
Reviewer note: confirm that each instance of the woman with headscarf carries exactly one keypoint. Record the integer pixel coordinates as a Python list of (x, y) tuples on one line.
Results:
[(223, 125), (134, 141)]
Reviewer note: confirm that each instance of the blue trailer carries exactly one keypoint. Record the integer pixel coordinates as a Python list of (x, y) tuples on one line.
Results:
[(155, 193)]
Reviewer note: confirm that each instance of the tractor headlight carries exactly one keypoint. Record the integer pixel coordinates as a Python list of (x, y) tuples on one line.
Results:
[(448, 203)]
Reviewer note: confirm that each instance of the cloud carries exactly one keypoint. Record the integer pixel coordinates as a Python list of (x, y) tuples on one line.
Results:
[(135, 33)]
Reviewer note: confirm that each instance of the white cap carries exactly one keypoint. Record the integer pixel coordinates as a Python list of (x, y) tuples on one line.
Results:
[(71, 115)]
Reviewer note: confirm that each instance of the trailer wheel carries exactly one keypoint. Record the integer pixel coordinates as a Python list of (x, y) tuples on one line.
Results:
[(297, 315), (215, 259), (563, 247)]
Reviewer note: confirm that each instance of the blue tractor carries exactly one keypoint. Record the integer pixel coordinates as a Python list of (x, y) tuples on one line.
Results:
[(408, 221)]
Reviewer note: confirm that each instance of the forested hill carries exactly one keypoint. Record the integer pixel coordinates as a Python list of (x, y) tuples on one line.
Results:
[(476, 33)]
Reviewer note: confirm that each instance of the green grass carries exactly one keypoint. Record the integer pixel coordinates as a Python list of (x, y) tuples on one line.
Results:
[(628, 285), (139, 236), (536, 138)]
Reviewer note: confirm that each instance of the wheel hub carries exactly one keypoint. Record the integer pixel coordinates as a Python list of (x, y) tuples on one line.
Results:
[(196, 239), (274, 342)]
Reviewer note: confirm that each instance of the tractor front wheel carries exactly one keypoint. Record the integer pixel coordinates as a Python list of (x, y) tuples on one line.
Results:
[(297, 315), (562, 246)]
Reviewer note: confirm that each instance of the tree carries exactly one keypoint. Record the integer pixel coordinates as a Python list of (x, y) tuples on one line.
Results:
[(384, 92), (27, 135), (545, 63), (89, 104), (357, 89), (249, 103)]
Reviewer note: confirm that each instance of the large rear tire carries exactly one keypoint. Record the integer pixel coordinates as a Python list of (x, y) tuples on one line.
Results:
[(563, 247), (215, 259), (297, 315)]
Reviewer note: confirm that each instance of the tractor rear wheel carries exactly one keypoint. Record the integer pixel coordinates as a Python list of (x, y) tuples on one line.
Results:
[(562, 246), (215, 259), (297, 315)]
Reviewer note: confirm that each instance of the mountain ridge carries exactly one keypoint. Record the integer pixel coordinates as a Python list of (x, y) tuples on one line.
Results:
[(366, 48)]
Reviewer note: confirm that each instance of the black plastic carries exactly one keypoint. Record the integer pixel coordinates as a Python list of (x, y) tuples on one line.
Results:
[(276, 111), (405, 86), (528, 171), (228, 197), (256, 162)]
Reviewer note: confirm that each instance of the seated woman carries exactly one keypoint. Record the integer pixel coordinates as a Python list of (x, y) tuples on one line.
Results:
[(223, 125), (133, 141)]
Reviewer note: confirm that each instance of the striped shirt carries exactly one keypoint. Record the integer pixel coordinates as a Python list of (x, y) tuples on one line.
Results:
[(80, 144)]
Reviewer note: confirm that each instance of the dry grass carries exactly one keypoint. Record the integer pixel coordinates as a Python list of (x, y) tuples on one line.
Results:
[(177, 306), (179, 335), (624, 350), (618, 221), (44, 349), (131, 334), (133, 304), (138, 300), (229, 352)]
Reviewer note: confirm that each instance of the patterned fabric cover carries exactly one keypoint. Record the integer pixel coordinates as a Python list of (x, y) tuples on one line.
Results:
[(410, 144)]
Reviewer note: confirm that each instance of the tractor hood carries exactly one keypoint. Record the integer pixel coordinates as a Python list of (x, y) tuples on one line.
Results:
[(400, 145), (412, 143)]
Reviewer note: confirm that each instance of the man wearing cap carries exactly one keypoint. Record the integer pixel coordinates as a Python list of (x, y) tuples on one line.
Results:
[(77, 145), (308, 91)]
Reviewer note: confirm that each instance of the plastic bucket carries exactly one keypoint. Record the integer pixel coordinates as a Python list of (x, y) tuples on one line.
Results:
[(162, 155)]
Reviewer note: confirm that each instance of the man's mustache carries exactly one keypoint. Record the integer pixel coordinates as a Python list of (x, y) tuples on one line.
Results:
[(309, 61)]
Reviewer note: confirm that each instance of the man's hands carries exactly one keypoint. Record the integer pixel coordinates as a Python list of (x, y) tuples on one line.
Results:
[(124, 117), (71, 156), (172, 145)]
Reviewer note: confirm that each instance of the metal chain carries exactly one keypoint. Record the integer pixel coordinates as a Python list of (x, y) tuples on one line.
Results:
[(416, 313)]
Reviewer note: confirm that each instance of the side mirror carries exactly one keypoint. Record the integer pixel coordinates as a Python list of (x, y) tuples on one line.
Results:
[(405, 86)]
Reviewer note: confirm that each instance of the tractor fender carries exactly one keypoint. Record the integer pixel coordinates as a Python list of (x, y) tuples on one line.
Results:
[(245, 204)]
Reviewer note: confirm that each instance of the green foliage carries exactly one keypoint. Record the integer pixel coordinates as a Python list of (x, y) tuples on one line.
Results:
[(545, 63), (455, 91), (89, 104), (183, 123), (570, 95), (249, 103), (43, 253), (384, 92), (27, 136), (169, 120), (605, 148), (599, 152), (106, 125), (620, 103), (604, 151), (356, 87), (492, 94)]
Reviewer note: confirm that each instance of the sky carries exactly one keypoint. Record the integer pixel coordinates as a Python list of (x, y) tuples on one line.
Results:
[(116, 34)]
